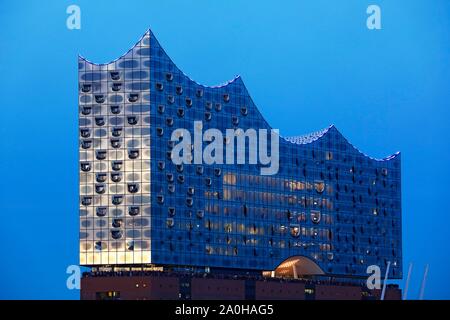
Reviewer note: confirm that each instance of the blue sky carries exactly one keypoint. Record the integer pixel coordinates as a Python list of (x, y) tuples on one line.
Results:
[(307, 64)]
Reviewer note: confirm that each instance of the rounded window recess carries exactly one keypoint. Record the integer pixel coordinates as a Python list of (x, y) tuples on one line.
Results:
[(100, 177), (159, 131), (179, 167), (170, 144), (117, 223), (179, 90), (189, 102), (101, 211), (218, 107), (115, 75), (169, 122), (208, 106), (190, 191), (99, 121), (180, 112), (133, 97), (169, 76), (100, 154), (130, 245), (235, 120), (86, 110), (116, 132), (244, 111), (115, 143), (132, 120), (170, 177), (208, 116), (116, 165), (330, 256), (384, 172), (199, 170), (100, 188), (319, 186), (133, 153), (200, 214), (171, 211), (116, 87), (217, 172), (161, 165), (133, 187), (171, 188), (161, 109), (189, 202), (226, 97), (315, 216), (86, 88), (295, 231), (116, 176), (133, 211), (86, 201), (159, 86), (116, 200), (86, 143), (208, 182), (85, 133), (170, 99), (116, 234), (115, 109), (180, 178), (169, 155), (160, 198), (99, 98), (85, 166), (199, 93), (99, 245), (170, 222)]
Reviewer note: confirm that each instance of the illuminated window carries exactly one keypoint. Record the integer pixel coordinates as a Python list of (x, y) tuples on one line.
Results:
[(295, 230), (319, 186)]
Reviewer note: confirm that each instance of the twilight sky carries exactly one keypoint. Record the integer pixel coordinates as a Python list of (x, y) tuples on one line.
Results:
[(306, 63)]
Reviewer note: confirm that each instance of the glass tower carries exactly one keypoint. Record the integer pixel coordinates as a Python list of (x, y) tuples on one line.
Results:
[(329, 203)]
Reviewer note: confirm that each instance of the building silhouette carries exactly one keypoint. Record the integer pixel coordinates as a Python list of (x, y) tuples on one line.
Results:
[(329, 213)]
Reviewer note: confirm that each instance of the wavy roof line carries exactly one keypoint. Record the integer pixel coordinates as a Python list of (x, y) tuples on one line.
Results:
[(309, 137), (314, 136), (149, 32), (299, 140)]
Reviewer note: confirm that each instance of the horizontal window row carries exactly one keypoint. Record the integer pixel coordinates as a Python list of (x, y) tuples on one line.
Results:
[(101, 120)]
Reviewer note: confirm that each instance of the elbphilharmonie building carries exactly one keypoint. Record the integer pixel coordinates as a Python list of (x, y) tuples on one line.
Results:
[(330, 210)]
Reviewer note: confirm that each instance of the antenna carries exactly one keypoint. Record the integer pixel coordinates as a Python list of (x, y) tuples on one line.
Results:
[(385, 279), (424, 280), (405, 293)]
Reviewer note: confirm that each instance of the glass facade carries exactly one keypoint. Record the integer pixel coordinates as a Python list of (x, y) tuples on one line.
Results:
[(328, 202)]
